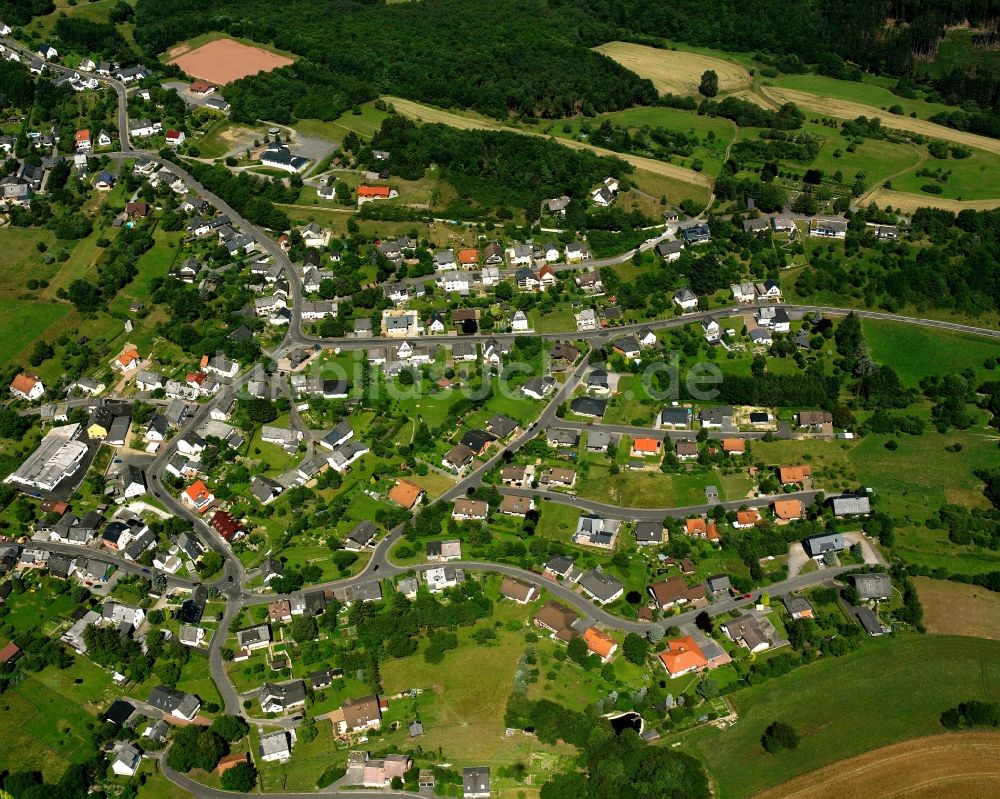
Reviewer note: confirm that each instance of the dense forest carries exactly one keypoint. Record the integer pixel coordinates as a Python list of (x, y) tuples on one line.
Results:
[(499, 57)]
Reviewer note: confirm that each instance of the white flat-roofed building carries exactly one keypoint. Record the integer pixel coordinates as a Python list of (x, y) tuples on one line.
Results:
[(57, 457)]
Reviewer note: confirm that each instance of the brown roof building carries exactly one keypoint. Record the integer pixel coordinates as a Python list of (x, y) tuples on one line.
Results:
[(674, 591), (405, 493), (516, 506), (557, 619), (361, 714), (518, 591)]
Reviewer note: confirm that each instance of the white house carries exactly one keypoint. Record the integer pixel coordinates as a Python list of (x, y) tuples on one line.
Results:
[(519, 322), (686, 299)]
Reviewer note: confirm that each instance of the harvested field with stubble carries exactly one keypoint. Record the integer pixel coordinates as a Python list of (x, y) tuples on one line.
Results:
[(956, 765), (675, 71), (908, 203), (845, 109), (959, 609), (223, 61)]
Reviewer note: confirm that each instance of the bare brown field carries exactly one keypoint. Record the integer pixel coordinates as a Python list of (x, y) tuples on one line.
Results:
[(425, 113), (959, 609), (844, 109), (675, 71), (956, 765), (226, 60), (908, 203)]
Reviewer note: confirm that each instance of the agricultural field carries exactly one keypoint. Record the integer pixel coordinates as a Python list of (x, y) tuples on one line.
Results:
[(675, 71), (957, 765), (844, 706), (959, 609)]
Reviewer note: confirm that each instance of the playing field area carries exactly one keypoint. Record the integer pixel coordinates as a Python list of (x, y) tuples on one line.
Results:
[(675, 71), (226, 60), (958, 765)]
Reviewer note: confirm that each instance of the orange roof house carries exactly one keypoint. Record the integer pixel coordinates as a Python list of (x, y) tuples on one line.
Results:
[(683, 655), (198, 496), (374, 192), (201, 87), (734, 446), (405, 493), (786, 509), (468, 257), (794, 474), (83, 136), (600, 643), (26, 386), (128, 359), (746, 518), (712, 530), (645, 446), (695, 527)]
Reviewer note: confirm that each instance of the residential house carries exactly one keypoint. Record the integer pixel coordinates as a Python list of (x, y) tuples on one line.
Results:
[(873, 586), (517, 591), (470, 509), (596, 531), (281, 697), (828, 228), (601, 587), (175, 703), (686, 299), (516, 506), (600, 643), (476, 782), (682, 656), (674, 590), (27, 387), (750, 631), (670, 250)]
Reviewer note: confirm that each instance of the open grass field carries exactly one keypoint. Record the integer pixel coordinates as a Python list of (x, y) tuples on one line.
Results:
[(224, 60), (869, 92), (716, 133), (425, 113), (975, 178), (917, 352), (845, 706), (959, 609), (956, 765), (654, 489), (463, 716), (674, 71)]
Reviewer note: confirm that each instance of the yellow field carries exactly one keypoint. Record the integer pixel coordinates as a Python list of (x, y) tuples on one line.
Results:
[(674, 71), (426, 113), (908, 203), (959, 609), (845, 109), (957, 765)]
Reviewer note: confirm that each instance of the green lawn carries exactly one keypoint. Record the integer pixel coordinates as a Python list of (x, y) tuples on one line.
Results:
[(842, 707), (916, 352), (557, 520), (653, 489), (972, 178)]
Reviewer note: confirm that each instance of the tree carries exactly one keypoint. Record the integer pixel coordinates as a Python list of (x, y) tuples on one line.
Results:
[(655, 633), (635, 648), (261, 410), (242, 778), (303, 628), (578, 651), (231, 728), (778, 737), (709, 85), (708, 688), (210, 563)]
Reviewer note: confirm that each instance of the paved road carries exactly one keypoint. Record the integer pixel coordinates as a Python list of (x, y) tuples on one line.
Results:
[(654, 514)]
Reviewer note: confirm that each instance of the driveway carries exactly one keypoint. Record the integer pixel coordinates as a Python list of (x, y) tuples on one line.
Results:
[(797, 558), (871, 555)]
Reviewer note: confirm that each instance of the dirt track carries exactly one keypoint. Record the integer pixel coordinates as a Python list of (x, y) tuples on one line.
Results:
[(955, 765), (675, 71), (844, 109), (424, 113)]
